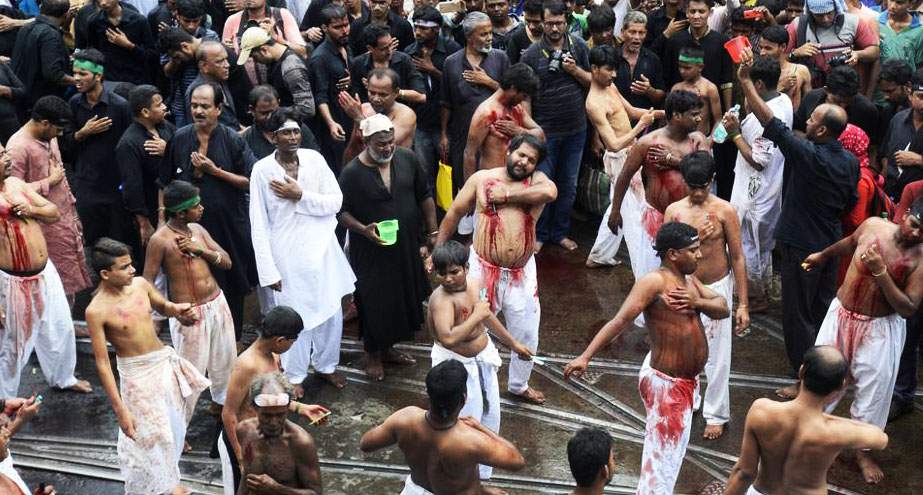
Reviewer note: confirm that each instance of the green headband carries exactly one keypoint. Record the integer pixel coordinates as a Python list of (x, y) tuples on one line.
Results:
[(185, 205), (691, 60), (87, 65)]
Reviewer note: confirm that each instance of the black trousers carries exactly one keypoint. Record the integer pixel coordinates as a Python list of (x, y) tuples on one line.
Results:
[(906, 384), (233, 460), (806, 296)]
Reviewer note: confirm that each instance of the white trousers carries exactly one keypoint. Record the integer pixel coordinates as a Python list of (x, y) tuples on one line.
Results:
[(37, 318), (756, 239), (668, 401), (209, 344), (411, 488), (607, 244), (318, 346), (717, 407), (515, 294), (483, 397), (872, 347), (7, 469)]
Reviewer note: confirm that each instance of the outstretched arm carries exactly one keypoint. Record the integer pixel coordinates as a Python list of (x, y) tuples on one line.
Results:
[(757, 105), (495, 450)]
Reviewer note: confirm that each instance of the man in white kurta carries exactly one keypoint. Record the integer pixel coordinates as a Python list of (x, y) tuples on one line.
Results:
[(757, 195), (298, 256)]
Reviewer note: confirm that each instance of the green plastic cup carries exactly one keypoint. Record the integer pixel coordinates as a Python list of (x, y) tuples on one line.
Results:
[(387, 230)]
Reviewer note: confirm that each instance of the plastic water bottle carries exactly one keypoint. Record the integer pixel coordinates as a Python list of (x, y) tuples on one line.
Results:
[(721, 134)]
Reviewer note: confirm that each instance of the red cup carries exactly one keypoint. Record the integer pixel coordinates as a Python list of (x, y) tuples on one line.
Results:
[(751, 14), (736, 46)]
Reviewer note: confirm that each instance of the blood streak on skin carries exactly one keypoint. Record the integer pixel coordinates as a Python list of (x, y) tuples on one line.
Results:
[(248, 454)]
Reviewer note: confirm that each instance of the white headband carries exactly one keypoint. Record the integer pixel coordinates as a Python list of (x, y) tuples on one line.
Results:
[(289, 124)]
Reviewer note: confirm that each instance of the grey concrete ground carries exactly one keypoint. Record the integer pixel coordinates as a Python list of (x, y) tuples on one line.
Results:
[(71, 444)]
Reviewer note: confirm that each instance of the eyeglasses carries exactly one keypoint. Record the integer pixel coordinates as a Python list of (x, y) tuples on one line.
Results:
[(554, 23)]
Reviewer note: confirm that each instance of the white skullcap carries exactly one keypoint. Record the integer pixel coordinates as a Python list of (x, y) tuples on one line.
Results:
[(375, 124)]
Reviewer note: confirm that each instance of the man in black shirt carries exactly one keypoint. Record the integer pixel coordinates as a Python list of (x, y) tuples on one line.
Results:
[(100, 119), (380, 13), (528, 32), (124, 38), (138, 154), (264, 100), (842, 89), (380, 53), (329, 75), (429, 53), (899, 156), (501, 20), (811, 210), (40, 57), (658, 20), (639, 76)]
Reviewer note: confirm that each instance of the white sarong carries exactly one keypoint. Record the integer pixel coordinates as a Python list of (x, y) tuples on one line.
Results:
[(155, 387), (514, 292), (7, 469), (717, 407), (37, 318), (483, 401), (668, 401), (209, 344), (411, 488), (872, 346), (607, 244)]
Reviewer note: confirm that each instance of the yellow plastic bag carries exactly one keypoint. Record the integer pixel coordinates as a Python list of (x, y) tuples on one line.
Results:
[(444, 185)]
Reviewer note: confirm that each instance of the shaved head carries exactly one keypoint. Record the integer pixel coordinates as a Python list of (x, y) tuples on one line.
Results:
[(824, 370), (833, 118)]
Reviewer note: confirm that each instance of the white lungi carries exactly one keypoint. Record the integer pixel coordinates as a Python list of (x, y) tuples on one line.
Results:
[(411, 488), (7, 469), (318, 346), (37, 318), (515, 294), (872, 347), (717, 407), (668, 401), (155, 388), (483, 400), (227, 473), (209, 344), (607, 244)]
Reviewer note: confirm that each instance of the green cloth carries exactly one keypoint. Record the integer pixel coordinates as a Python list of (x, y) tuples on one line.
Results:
[(906, 45)]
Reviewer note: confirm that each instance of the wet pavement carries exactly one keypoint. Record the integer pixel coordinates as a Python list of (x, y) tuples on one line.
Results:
[(72, 443)]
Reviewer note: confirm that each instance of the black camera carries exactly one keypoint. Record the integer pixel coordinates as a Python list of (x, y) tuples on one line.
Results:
[(838, 59), (554, 62)]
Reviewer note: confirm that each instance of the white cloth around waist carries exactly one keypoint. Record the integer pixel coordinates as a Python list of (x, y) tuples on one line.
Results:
[(489, 355), (411, 488)]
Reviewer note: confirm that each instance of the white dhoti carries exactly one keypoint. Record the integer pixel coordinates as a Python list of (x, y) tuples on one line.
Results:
[(483, 400), (872, 346), (7, 469), (411, 488), (668, 401), (756, 240), (717, 407), (607, 244), (209, 344), (514, 292), (318, 347), (155, 388), (37, 318)]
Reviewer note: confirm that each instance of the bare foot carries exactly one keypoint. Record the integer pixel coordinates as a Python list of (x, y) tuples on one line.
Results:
[(351, 313), (374, 370), (214, 409), (531, 395), (759, 305), (393, 357), (186, 448), (335, 379), (81, 386), (492, 490), (568, 244), (789, 392), (180, 490), (299, 391), (537, 246), (713, 431), (870, 471), (592, 264)]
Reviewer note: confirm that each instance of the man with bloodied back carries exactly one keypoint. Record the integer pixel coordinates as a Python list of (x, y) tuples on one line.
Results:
[(672, 300), (507, 202)]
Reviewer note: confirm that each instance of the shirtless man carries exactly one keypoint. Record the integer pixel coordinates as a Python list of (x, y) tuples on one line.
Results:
[(789, 446), (795, 80), (609, 113), (185, 252), (719, 237), (278, 455), (277, 333), (443, 450), (155, 383), (383, 91), (672, 299), (34, 313), (458, 316), (499, 118), (690, 64), (658, 155), (883, 285), (507, 202)]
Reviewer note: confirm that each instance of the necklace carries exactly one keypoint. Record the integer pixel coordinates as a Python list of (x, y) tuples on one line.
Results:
[(184, 234), (439, 428)]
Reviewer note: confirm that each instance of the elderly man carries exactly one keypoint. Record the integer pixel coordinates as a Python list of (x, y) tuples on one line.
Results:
[(218, 64), (386, 182), (294, 199), (383, 92), (639, 77), (215, 158)]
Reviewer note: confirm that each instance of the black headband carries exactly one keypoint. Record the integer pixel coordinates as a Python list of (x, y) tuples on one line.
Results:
[(662, 245)]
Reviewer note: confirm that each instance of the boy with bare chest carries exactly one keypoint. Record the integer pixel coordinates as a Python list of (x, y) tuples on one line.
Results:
[(691, 62), (457, 315)]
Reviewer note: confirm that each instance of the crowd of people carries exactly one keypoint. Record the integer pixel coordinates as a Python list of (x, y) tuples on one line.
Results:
[(295, 151)]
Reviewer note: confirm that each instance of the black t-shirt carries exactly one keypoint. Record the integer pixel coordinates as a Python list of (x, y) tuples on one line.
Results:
[(517, 43), (861, 113)]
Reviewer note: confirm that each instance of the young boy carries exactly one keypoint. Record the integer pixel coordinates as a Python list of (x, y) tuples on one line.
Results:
[(691, 62), (456, 318), (795, 80)]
